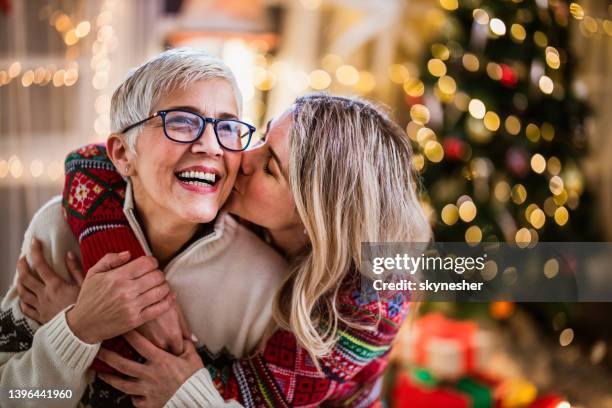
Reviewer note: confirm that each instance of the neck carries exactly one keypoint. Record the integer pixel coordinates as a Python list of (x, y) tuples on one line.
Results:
[(165, 234), (289, 240), (165, 238)]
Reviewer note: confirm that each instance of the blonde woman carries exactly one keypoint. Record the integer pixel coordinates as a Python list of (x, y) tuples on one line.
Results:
[(333, 173)]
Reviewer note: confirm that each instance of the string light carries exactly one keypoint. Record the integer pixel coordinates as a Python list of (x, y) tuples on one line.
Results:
[(37, 168), (491, 121), (366, 83), (28, 78), (518, 194), (477, 108), (419, 114), (14, 69), (566, 337), (467, 211), (470, 62), (436, 67), (522, 237), (556, 185), (418, 161), (497, 26), (551, 268), (561, 216), (532, 132), (331, 62), (414, 87), (538, 163), (512, 125), (546, 84), (480, 16), (104, 44), (518, 33), (473, 235), (447, 85), (347, 75), (440, 51), (450, 214), (502, 191), (319, 79), (434, 151), (398, 73), (15, 167), (449, 5), (576, 11)]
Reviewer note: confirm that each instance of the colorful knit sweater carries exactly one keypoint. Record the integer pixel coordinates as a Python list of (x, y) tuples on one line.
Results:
[(282, 374)]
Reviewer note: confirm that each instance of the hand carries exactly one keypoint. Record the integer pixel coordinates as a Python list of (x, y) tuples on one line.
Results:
[(153, 383), (42, 292), (168, 330), (118, 296)]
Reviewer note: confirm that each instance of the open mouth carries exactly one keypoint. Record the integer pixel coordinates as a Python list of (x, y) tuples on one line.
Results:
[(198, 178)]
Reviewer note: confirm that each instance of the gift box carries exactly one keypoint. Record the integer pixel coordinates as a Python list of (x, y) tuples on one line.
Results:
[(449, 349), (419, 388)]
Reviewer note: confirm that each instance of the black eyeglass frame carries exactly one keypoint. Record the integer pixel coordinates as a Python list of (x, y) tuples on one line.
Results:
[(205, 120)]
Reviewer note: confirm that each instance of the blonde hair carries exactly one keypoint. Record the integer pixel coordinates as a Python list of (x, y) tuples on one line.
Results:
[(144, 87), (352, 181)]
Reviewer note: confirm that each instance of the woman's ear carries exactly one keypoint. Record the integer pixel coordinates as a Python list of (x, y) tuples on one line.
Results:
[(119, 153)]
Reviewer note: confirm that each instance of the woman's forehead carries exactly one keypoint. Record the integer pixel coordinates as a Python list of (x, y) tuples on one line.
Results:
[(208, 96)]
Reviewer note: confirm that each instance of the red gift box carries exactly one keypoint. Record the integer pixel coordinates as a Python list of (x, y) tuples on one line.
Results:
[(448, 348)]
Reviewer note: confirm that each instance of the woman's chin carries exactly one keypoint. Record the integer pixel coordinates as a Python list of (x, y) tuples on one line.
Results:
[(201, 217)]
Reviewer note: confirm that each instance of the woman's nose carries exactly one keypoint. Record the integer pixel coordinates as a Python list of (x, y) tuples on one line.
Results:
[(207, 143)]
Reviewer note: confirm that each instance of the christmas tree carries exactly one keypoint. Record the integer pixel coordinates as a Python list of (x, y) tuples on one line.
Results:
[(497, 122)]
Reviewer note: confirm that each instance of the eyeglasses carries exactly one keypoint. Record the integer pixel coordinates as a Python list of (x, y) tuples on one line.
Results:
[(183, 126)]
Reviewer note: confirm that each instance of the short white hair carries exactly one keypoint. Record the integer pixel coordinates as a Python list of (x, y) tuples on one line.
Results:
[(169, 71)]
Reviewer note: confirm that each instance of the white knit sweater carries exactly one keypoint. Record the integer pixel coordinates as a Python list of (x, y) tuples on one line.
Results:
[(225, 283)]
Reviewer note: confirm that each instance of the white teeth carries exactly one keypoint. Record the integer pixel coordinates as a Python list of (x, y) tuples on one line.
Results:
[(198, 183), (198, 175)]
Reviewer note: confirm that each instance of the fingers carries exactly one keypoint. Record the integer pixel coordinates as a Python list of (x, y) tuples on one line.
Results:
[(74, 268), (27, 278), (148, 281), (130, 387), (25, 295), (29, 311), (185, 329), (143, 346), (154, 295), (175, 345), (122, 364), (39, 263), (139, 267), (110, 261), (188, 347), (155, 310)]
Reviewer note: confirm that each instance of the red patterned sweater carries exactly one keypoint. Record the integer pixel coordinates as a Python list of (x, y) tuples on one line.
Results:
[(282, 374)]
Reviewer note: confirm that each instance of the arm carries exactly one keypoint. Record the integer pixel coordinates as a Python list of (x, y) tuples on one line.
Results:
[(283, 373), (44, 357), (58, 354), (116, 296)]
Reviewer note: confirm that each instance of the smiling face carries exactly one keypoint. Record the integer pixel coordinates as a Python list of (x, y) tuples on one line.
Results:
[(173, 182), (262, 194)]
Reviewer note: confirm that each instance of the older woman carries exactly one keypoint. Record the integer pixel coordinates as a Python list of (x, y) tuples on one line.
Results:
[(177, 141), (334, 172)]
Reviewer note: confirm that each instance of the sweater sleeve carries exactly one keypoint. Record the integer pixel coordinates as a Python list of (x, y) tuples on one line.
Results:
[(283, 374), (47, 357)]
